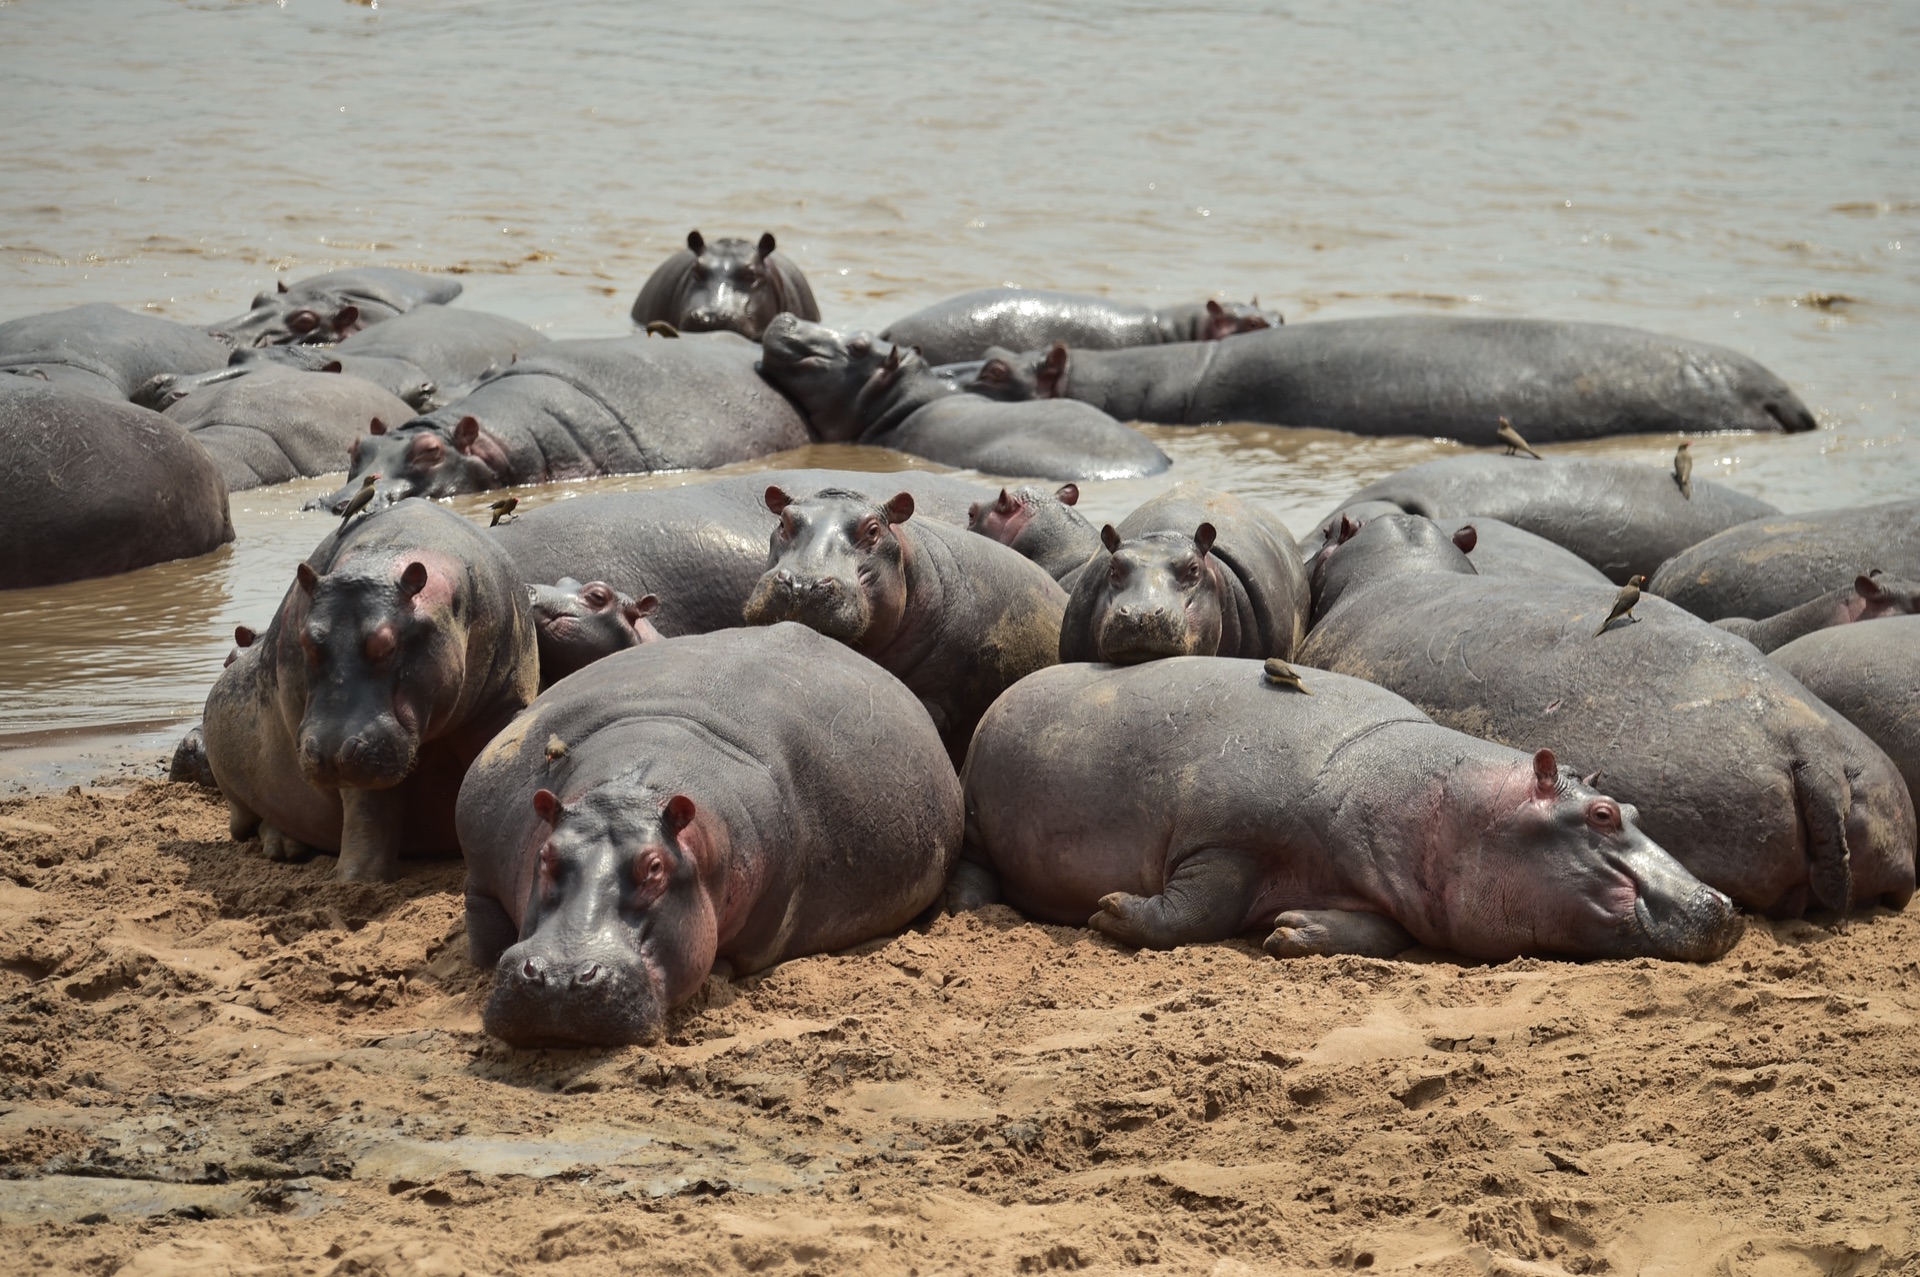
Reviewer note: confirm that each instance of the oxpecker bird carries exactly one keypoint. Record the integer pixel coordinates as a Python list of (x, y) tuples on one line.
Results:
[(1623, 604)]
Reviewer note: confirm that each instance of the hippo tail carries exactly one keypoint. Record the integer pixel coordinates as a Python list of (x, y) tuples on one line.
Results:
[(1823, 792)]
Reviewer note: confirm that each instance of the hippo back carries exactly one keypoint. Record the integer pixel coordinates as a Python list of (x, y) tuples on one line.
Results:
[(101, 349), (1775, 562), (1870, 672), (275, 424), (450, 346)]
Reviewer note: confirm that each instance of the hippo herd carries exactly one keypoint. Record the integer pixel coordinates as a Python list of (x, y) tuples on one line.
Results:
[(1497, 705)]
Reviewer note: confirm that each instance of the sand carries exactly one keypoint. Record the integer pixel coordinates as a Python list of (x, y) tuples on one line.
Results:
[(216, 1065)]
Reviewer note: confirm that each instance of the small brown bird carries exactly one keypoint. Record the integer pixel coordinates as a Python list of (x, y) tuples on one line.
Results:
[(1683, 468), (1511, 437), (556, 749), (360, 498), (1623, 604), (1281, 674), (661, 328), (502, 510)]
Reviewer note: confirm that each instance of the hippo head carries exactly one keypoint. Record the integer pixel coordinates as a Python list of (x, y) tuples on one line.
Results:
[(284, 318), (1545, 864), (578, 624), (822, 372), (620, 923), (1010, 376), (1357, 553), (385, 658), (729, 285), (423, 458), (1163, 596), (836, 565), (1882, 596), (1227, 319), (1010, 514)]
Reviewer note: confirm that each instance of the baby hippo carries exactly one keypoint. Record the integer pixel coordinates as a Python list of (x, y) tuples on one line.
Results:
[(1039, 525), (954, 616), (1868, 598), (1196, 798), (578, 624)]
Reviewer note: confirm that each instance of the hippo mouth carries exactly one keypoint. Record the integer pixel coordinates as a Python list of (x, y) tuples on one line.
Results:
[(1132, 641), (789, 343), (825, 605), (540, 1000), (1700, 928)]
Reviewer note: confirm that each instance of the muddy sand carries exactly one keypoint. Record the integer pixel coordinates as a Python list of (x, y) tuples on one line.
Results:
[(216, 1065)]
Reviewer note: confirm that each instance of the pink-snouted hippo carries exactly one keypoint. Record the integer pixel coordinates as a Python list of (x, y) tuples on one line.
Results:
[(1195, 798), (1041, 525), (1872, 596), (404, 645), (578, 624), (965, 327), (716, 802)]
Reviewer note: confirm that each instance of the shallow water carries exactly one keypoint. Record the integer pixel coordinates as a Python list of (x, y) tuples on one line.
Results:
[(1741, 173)]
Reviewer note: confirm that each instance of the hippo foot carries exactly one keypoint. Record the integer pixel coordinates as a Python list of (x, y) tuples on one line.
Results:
[(973, 886), (490, 930), (1304, 933), (278, 846), (241, 821), (1131, 920), (1205, 899)]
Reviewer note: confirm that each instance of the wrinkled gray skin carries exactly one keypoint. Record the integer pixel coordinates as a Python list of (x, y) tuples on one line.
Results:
[(964, 327), (326, 308), (104, 351), (1043, 526), (1779, 561), (189, 762), (1870, 673), (1154, 589), (577, 625), (576, 409), (1750, 781), (451, 347), (956, 617), (397, 377), (727, 285), (1623, 517), (1496, 547), (276, 424), (1190, 801), (1433, 375), (96, 487), (1868, 598), (857, 390), (700, 547), (718, 809), (405, 643)]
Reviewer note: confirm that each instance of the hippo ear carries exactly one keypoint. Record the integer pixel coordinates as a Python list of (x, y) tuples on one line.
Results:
[(1068, 494), (465, 433), (900, 509), (1254, 302), (1004, 503), (345, 318), (641, 608), (413, 580), (1466, 537), (1347, 530), (308, 578), (1589, 778), (1053, 371), (1203, 537), (378, 427), (678, 813), (280, 284), (1215, 309), (547, 804), (1866, 587), (243, 636), (764, 248), (332, 365), (1110, 538), (1546, 774), (695, 244), (776, 498), (894, 356)]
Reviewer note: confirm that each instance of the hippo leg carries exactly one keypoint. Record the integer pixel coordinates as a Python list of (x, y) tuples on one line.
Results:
[(972, 886), (276, 845), (1823, 795), (189, 762), (370, 834), (242, 821), (1205, 898), (1301, 933), (490, 930)]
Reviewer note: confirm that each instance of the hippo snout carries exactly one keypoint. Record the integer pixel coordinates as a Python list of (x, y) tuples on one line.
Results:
[(368, 760), (1698, 927), (545, 998), (1133, 633)]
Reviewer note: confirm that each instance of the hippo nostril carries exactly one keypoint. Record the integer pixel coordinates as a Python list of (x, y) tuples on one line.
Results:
[(533, 969), (589, 973)]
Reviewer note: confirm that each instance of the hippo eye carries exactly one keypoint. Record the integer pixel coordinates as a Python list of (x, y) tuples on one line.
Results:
[(870, 532), (312, 640), (1189, 572), (1117, 574), (788, 526), (303, 321), (1604, 816), (994, 371), (596, 596)]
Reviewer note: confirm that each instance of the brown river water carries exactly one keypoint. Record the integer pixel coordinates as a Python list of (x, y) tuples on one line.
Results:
[(1741, 173)]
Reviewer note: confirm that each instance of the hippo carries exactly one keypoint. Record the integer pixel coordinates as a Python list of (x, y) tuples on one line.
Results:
[(1870, 673), (964, 327), (277, 424), (1336, 816), (1042, 526), (575, 409), (954, 616), (1623, 517), (700, 547), (329, 307), (1441, 376), (1868, 598), (1496, 546), (99, 487), (397, 377), (404, 645), (1750, 781), (104, 351), (1776, 562), (576, 624), (728, 285), (857, 390), (703, 805), (451, 347), (1190, 573)]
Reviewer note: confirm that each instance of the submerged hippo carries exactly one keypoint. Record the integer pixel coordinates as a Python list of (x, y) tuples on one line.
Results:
[(1756, 786), (397, 377), (857, 390), (728, 285), (1337, 815), (96, 487), (1867, 598), (329, 307), (1041, 525), (451, 347), (715, 806), (403, 646), (578, 624), (1869, 672), (957, 618), (1624, 517), (963, 328), (575, 409), (1442, 376), (102, 350), (1191, 573), (1779, 561), (277, 424)]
